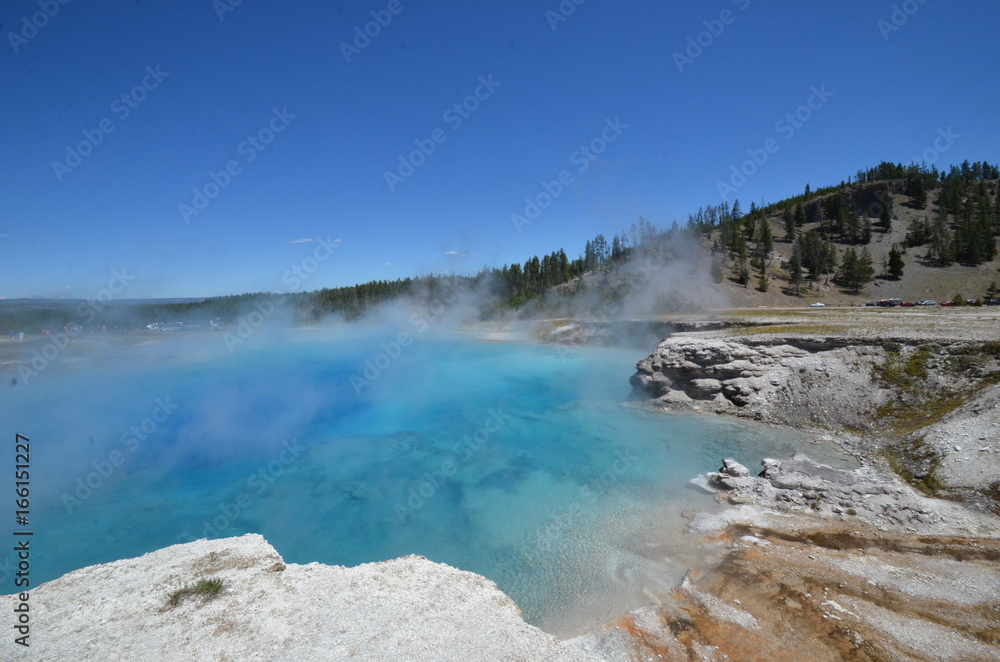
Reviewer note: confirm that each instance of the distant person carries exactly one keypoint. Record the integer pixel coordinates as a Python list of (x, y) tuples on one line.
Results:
[(20, 336), (10, 334)]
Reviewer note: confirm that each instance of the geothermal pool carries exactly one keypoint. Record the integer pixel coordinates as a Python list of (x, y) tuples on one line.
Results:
[(516, 461)]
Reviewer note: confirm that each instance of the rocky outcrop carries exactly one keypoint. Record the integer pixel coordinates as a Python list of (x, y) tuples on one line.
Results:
[(965, 445), (863, 496), (894, 577), (405, 609), (801, 380), (930, 411)]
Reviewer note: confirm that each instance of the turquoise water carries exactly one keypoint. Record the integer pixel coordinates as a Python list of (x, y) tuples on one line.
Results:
[(515, 461)]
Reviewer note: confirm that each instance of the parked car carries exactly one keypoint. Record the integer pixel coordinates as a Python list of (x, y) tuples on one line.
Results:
[(908, 304), (947, 303), (927, 302), (817, 305), (872, 303), (992, 302)]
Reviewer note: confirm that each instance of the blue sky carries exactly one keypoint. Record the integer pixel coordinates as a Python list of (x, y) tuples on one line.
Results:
[(204, 89)]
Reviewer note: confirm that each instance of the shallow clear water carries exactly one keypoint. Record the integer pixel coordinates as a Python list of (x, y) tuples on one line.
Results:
[(515, 461)]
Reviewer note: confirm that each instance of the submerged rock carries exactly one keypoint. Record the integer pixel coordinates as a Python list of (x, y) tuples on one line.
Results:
[(733, 468)]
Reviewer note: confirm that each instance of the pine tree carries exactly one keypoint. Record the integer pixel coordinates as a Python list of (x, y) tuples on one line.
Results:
[(896, 263), (716, 270), (601, 248), (738, 247), (996, 214), (848, 267), (885, 220), (942, 248), (789, 221), (866, 232), (617, 251), (740, 270), (800, 215), (856, 271), (985, 224), (762, 280), (918, 192), (795, 271), (918, 233), (766, 239)]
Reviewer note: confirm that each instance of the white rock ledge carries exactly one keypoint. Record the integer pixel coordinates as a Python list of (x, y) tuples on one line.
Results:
[(405, 609)]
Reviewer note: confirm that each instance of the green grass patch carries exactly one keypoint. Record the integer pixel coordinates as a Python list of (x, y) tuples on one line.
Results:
[(919, 404), (206, 589), (906, 417), (915, 451), (906, 375), (976, 360)]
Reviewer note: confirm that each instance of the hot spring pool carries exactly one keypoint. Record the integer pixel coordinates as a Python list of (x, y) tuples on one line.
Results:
[(516, 461)]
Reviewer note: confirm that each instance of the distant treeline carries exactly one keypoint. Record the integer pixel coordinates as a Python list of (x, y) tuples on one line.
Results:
[(963, 228), (500, 289)]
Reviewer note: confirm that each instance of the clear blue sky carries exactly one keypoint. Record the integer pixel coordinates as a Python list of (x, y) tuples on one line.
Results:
[(323, 174)]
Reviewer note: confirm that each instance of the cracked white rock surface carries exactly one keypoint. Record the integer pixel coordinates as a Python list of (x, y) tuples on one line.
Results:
[(404, 609)]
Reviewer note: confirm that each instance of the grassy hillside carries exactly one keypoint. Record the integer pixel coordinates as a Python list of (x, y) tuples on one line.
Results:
[(922, 277)]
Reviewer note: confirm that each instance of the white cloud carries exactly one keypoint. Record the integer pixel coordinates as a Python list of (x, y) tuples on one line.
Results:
[(302, 241)]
